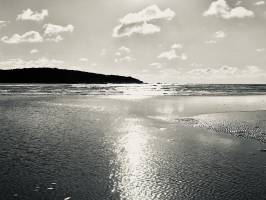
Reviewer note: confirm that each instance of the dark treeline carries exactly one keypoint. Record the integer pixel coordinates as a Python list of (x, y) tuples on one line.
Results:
[(54, 75)]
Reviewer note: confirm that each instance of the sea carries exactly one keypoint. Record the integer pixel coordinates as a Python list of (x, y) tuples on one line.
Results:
[(132, 142), (133, 89)]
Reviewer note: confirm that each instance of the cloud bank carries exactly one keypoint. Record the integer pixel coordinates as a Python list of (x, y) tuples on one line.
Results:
[(41, 62)]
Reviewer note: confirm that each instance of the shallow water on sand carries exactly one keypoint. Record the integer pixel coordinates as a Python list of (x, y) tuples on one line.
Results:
[(109, 148)]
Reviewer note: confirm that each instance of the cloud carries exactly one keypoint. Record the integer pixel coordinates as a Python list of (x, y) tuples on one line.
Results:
[(177, 46), (28, 37), (252, 70), (228, 70), (260, 50), (34, 51), (172, 54), (223, 70), (183, 56), (118, 53), (156, 65), (128, 30), (55, 38), (226, 74), (32, 16), (220, 8), (210, 42), (220, 34), (52, 32), (259, 3), (41, 62), (3, 23), (124, 49), (142, 22), (52, 29), (83, 60), (122, 55), (124, 59)]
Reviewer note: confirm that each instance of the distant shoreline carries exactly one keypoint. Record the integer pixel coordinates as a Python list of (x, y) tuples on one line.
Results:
[(60, 76)]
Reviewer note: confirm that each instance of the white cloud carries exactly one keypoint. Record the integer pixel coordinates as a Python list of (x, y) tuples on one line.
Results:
[(83, 60), (260, 50), (200, 71), (252, 70), (220, 34), (52, 29), (259, 3), (124, 59), (118, 54), (141, 22), (128, 30), (177, 46), (122, 55), (124, 49), (170, 55), (34, 51), (30, 37), (41, 62), (223, 70), (148, 14), (220, 8), (52, 32), (228, 70), (210, 42), (183, 56), (32, 16), (3, 23), (156, 65), (55, 38)]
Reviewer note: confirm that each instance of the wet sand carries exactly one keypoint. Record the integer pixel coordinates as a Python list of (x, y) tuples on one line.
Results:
[(121, 147)]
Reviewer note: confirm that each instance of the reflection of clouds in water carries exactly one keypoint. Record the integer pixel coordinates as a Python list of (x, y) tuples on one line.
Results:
[(133, 174)]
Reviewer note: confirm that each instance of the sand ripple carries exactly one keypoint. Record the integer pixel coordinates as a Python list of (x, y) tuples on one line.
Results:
[(249, 125)]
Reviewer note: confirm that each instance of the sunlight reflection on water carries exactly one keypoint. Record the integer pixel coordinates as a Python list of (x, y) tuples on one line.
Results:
[(133, 170)]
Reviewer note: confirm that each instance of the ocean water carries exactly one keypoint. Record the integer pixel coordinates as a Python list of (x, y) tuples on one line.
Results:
[(132, 89), (63, 142)]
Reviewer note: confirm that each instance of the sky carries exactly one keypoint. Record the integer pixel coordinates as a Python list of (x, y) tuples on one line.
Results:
[(169, 41)]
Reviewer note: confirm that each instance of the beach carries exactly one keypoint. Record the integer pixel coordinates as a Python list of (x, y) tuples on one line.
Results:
[(132, 147)]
